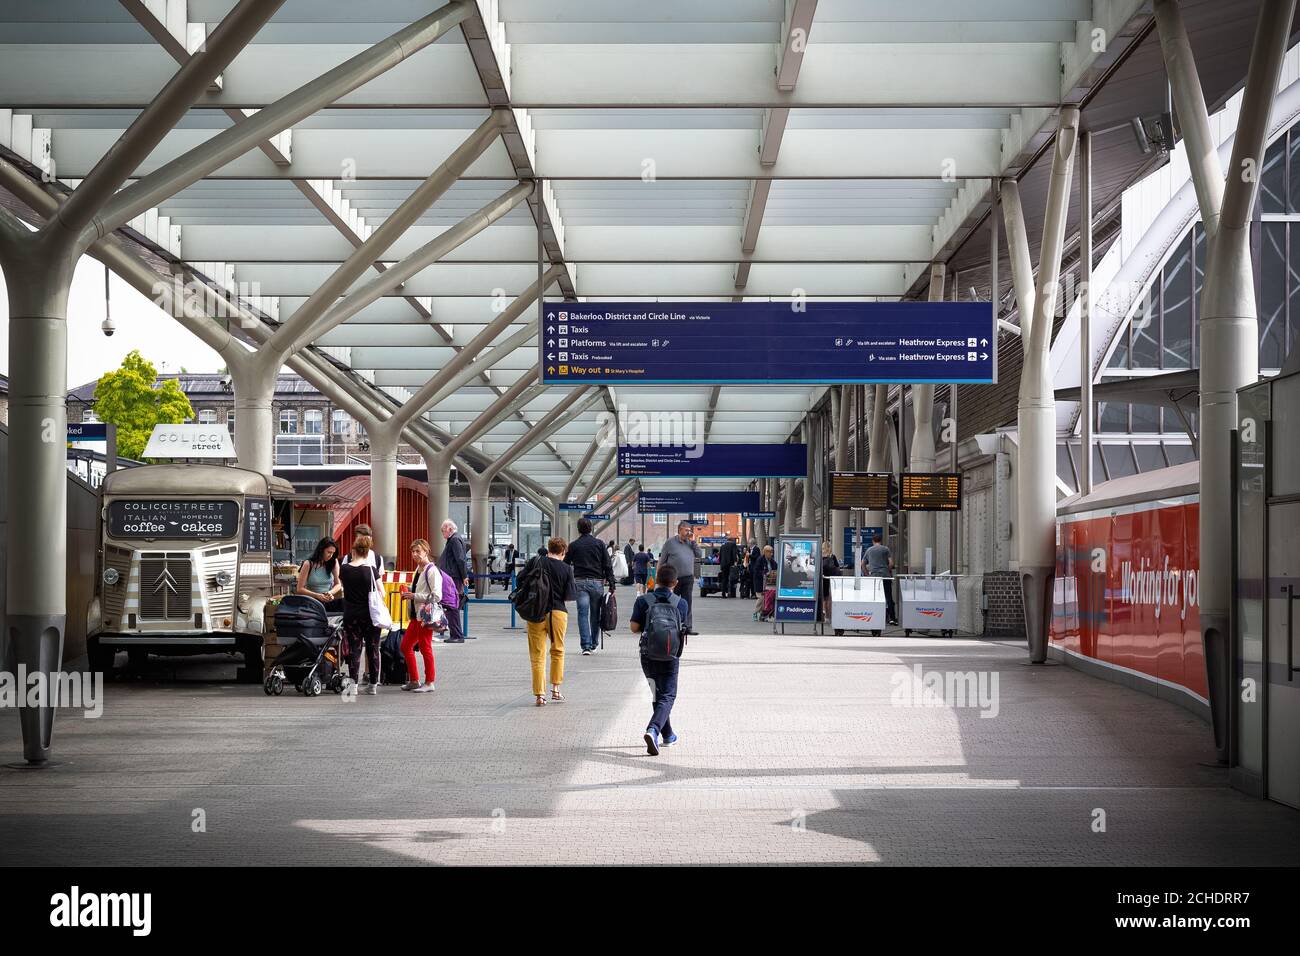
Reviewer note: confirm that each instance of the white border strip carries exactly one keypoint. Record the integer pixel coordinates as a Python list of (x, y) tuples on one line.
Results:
[(1112, 511), (1136, 673)]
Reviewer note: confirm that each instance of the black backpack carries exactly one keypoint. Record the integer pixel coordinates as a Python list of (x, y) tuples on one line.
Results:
[(663, 637), (532, 594)]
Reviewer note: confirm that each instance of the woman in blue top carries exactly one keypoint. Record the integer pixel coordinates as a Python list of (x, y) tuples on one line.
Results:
[(319, 575)]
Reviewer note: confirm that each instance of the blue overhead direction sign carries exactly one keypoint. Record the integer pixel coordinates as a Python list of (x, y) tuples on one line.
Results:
[(713, 460), (614, 343), (697, 502), (596, 517), (577, 505)]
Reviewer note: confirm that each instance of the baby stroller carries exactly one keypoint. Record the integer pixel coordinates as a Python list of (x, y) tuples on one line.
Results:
[(310, 661)]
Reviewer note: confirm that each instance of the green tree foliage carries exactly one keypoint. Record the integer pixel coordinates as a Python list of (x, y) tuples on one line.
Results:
[(133, 400)]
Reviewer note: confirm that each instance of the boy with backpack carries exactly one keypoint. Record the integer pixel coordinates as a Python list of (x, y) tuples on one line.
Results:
[(660, 618), (539, 597)]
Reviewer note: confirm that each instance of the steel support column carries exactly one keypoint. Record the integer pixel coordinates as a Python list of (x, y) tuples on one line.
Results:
[(1229, 327), (38, 268), (1036, 409), (921, 524)]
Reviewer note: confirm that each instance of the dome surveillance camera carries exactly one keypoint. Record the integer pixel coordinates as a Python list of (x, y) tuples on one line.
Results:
[(108, 326)]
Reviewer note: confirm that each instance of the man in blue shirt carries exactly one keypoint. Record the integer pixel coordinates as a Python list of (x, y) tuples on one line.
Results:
[(661, 675)]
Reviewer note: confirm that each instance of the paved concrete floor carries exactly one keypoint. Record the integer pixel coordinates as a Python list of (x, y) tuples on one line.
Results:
[(795, 749)]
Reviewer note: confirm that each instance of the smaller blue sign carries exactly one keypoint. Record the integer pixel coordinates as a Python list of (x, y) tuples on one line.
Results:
[(577, 505), (87, 431), (847, 554), (697, 521), (708, 460), (759, 515), (697, 502), (595, 517), (713, 539), (796, 610)]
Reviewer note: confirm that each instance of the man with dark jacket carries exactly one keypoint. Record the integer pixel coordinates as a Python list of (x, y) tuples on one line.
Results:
[(629, 552), (454, 563), (727, 555), (592, 571)]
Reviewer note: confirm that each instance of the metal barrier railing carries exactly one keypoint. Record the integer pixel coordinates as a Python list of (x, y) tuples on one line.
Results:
[(400, 610)]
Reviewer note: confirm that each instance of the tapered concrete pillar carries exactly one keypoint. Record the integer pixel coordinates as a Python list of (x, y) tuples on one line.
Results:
[(790, 510), (841, 404), (439, 482), (38, 277), (383, 489), (480, 527), (1036, 410), (254, 390), (877, 449), (920, 524), (808, 509)]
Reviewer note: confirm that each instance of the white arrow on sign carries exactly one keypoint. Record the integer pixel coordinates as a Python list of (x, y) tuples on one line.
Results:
[(983, 356), (984, 342), (550, 356)]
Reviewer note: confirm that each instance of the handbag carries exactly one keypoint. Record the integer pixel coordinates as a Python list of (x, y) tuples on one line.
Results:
[(379, 615), (429, 613)]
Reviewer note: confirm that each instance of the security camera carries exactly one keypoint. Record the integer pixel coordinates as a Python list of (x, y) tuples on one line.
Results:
[(108, 326)]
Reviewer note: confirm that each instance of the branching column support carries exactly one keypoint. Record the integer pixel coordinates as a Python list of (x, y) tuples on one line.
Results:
[(38, 268), (1036, 410), (1229, 326)]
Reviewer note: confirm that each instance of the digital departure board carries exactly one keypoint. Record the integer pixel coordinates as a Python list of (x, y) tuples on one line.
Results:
[(861, 490), (930, 491)]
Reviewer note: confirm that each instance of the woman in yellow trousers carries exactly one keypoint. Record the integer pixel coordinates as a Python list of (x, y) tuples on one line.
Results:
[(551, 629)]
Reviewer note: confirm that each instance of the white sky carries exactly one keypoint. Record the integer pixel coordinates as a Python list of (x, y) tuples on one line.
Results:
[(140, 325)]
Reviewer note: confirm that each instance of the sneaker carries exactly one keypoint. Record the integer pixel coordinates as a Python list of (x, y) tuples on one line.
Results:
[(586, 653), (372, 689), (454, 640), (693, 633), (411, 685), (669, 740), (652, 742), (428, 688)]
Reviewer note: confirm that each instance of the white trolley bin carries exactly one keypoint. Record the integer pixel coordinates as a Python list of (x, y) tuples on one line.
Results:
[(709, 579), (927, 602), (857, 604)]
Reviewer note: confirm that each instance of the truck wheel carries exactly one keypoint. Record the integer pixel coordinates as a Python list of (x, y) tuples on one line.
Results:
[(251, 649), (100, 658)]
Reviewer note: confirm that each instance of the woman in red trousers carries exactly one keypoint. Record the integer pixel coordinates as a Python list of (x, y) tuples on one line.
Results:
[(426, 617)]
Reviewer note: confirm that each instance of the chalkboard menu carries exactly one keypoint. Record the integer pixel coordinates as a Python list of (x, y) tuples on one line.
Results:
[(861, 490), (173, 519), (930, 491), (257, 525)]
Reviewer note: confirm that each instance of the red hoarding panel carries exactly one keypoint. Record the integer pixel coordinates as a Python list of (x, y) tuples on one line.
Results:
[(1127, 591)]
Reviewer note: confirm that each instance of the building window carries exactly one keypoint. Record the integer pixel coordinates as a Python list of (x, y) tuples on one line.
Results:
[(230, 421), (288, 421), (207, 416), (340, 423), (312, 421)]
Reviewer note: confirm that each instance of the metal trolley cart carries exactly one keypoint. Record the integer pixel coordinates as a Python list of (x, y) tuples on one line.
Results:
[(927, 602), (857, 604), (710, 580)]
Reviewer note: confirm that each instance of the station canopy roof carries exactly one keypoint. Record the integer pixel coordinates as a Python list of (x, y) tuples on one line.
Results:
[(730, 149)]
